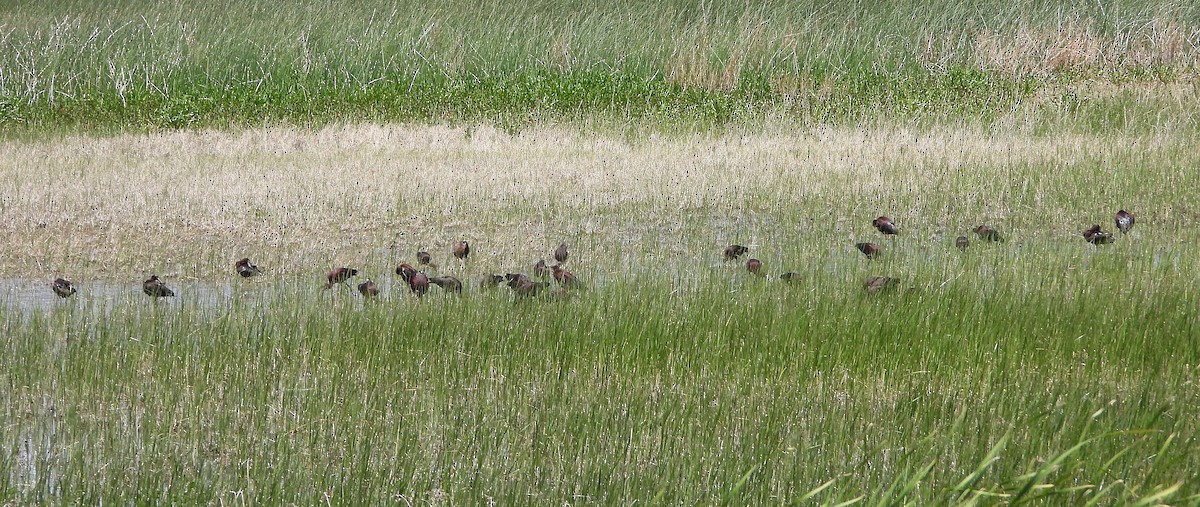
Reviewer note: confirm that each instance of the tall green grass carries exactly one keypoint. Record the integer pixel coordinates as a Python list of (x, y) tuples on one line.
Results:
[(711, 388), (137, 64)]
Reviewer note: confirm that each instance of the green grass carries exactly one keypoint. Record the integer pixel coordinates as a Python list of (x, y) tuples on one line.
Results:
[(138, 65), (647, 135), (722, 388)]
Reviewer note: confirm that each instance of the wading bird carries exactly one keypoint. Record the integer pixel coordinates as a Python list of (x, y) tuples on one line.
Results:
[(732, 252), (339, 276), (988, 233), (871, 250), (524, 287), (246, 269), (877, 284), (424, 259), (461, 250), (562, 276), (448, 283), (1096, 236), (406, 272), (1124, 221), (491, 281), (541, 270), (419, 284), (63, 287), (560, 253), (155, 288), (885, 225), (368, 288)]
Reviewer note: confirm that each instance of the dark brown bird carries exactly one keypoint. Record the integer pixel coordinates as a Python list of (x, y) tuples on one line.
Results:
[(515, 278), (339, 275), (871, 250), (885, 225), (1124, 221), (491, 281), (988, 233), (368, 288), (524, 287), (732, 252), (423, 258), (419, 284), (155, 288), (541, 270), (755, 266), (246, 269), (1096, 236), (406, 272), (63, 287), (962, 243), (449, 283), (562, 276), (790, 277), (560, 253), (877, 284), (461, 250)]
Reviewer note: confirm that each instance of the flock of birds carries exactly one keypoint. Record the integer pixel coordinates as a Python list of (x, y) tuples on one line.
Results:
[(525, 286)]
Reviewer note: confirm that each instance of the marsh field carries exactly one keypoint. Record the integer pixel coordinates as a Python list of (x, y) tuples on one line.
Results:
[(173, 138)]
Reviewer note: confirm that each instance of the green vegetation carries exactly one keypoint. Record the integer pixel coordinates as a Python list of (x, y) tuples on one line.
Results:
[(1041, 370), (139, 64), (648, 136)]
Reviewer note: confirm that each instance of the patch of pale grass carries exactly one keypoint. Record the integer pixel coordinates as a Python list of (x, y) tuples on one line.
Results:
[(188, 203)]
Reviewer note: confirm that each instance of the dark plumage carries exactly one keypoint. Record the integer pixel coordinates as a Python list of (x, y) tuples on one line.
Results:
[(155, 288), (560, 253), (876, 284), (419, 284), (987, 233), (541, 270), (871, 250), (339, 275), (461, 250), (885, 225), (63, 287), (449, 283), (406, 272), (491, 281), (755, 266), (1096, 236), (368, 288), (1124, 221), (732, 252), (562, 276), (515, 278), (423, 258), (525, 287), (246, 269), (962, 243)]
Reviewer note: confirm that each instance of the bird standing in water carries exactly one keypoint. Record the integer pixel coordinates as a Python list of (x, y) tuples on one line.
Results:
[(63, 287), (154, 288), (1124, 221), (246, 269), (885, 225)]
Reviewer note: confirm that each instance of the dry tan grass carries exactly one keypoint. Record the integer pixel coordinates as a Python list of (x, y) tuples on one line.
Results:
[(189, 203), (1077, 45)]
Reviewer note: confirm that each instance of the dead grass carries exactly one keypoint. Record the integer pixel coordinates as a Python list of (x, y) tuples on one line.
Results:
[(189, 203)]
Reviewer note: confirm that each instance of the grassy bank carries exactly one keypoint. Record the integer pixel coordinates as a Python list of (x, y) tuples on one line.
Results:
[(142, 65)]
